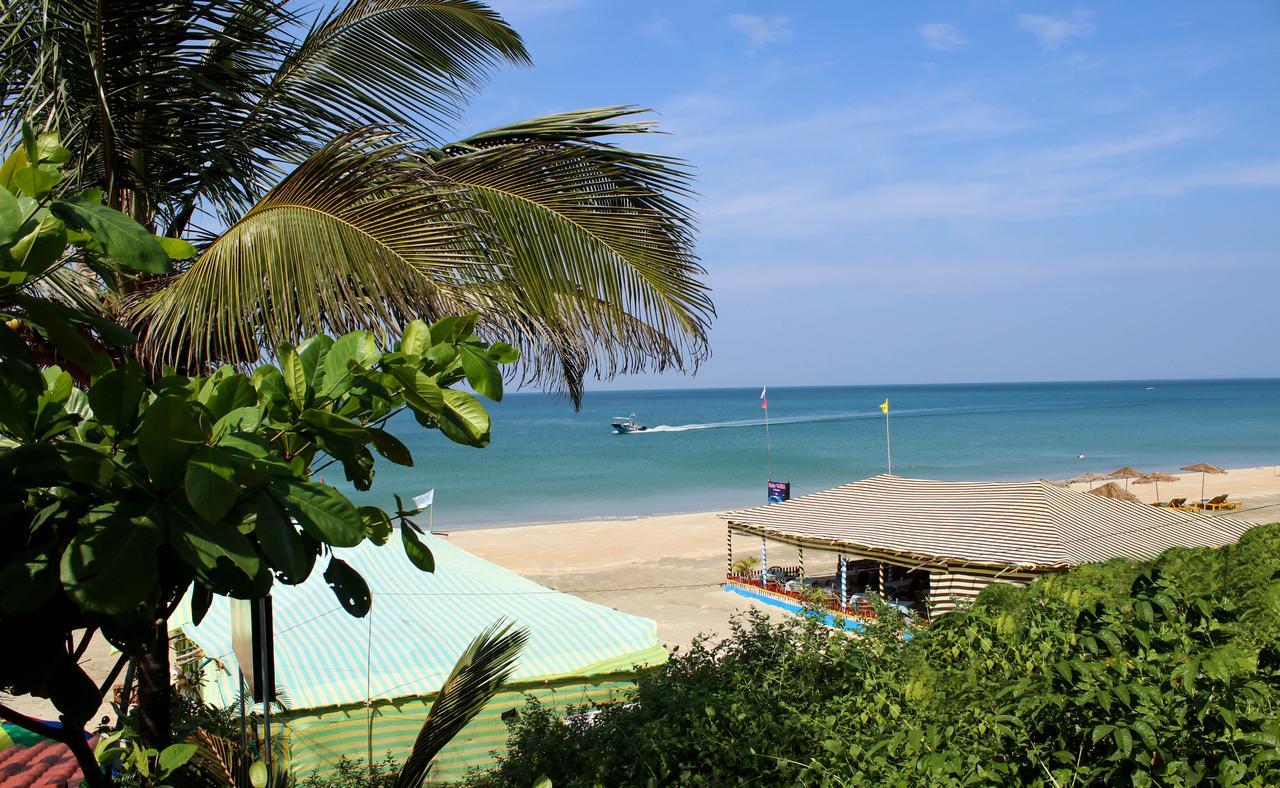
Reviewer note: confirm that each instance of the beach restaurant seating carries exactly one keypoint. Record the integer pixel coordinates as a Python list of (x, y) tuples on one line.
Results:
[(1217, 504)]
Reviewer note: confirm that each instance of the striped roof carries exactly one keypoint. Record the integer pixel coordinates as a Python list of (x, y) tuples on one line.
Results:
[(421, 623), (1032, 524)]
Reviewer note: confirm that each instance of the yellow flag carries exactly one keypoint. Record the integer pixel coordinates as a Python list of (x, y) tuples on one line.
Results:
[(884, 406)]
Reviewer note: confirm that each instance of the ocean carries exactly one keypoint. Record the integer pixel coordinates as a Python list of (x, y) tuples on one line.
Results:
[(705, 448)]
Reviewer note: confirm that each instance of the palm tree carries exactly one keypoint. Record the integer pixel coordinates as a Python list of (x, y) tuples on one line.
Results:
[(305, 158)]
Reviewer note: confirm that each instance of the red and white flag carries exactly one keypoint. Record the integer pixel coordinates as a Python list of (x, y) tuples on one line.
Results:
[(764, 401)]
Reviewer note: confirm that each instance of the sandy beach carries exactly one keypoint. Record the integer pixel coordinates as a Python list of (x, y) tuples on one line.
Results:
[(669, 567)]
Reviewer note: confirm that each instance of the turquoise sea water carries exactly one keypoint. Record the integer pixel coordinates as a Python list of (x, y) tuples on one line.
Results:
[(706, 448)]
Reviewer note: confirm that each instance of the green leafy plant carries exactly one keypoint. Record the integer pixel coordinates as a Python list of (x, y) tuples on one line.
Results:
[(124, 490), (1158, 673), (140, 764)]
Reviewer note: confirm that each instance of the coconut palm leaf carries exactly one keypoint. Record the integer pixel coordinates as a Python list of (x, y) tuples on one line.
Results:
[(169, 105), (476, 677), (374, 61), (361, 235), (602, 274)]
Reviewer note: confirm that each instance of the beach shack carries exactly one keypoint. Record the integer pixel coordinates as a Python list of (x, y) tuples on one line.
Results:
[(361, 687), (929, 546)]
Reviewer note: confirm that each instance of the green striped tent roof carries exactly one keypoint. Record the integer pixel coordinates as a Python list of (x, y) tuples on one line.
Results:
[(419, 624)]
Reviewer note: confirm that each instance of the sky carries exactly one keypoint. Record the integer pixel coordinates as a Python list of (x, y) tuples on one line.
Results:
[(950, 191)]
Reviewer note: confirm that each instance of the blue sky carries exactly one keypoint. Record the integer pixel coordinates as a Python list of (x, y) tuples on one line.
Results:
[(952, 191)]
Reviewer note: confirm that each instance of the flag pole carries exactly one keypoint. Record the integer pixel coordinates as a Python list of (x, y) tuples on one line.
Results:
[(888, 442), (768, 445)]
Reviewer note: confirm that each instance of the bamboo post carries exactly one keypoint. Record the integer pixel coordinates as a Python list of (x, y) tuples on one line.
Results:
[(368, 690), (764, 560), (801, 550), (844, 583)]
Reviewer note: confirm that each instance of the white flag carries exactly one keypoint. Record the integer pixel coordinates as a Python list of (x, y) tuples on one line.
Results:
[(424, 500)]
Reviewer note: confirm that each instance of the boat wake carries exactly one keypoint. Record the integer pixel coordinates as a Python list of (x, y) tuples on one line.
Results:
[(720, 425)]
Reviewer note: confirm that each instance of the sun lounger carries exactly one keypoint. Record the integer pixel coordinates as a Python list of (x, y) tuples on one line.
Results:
[(1174, 503), (1218, 504)]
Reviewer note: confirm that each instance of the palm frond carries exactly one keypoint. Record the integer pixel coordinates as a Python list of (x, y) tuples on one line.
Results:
[(378, 61), (602, 275), (476, 677), (360, 235)]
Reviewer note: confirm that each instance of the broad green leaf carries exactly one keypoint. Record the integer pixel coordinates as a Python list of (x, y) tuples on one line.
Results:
[(233, 391), (280, 540), (1124, 741), (115, 396), (20, 385), (65, 339), (36, 180), (107, 331), (416, 338), (420, 391), (377, 525), (349, 587), (212, 548), (419, 555), (312, 354), (389, 446), (175, 755), (464, 420), (110, 565), (40, 248), (14, 162), (295, 377), (324, 513), (27, 580), (210, 483), (328, 423), (120, 237), (176, 248), (10, 217), (482, 371), (356, 348), (49, 149), (239, 420), (168, 435), (503, 353), (201, 599), (543, 781)]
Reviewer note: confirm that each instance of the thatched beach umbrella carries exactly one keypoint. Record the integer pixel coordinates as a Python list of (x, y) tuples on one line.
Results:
[(1115, 492), (1203, 468), (1088, 478), (1055, 483), (1127, 472), (1155, 477)]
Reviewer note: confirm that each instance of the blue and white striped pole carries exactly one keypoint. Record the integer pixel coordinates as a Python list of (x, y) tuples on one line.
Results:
[(844, 583), (764, 561)]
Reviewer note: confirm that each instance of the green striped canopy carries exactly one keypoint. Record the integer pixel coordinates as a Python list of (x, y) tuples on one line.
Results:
[(330, 664)]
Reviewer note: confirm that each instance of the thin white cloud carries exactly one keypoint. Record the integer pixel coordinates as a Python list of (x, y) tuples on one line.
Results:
[(761, 31), (659, 28), (942, 37), (1082, 62), (1054, 31)]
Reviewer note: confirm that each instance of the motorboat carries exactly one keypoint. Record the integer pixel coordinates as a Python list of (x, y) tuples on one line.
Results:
[(625, 425)]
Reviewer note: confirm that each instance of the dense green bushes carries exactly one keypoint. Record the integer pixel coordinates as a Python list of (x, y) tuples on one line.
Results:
[(1166, 673)]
